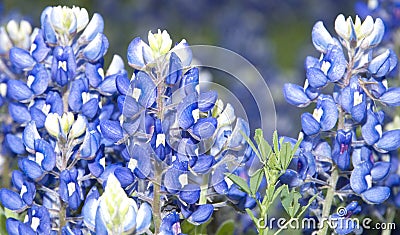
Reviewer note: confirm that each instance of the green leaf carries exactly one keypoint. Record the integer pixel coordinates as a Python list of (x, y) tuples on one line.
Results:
[(290, 201), (263, 145), (278, 191), (189, 228), (239, 182), (256, 180), (273, 162), (275, 142), (2, 221), (286, 155), (296, 146), (250, 213), (253, 147), (226, 228)]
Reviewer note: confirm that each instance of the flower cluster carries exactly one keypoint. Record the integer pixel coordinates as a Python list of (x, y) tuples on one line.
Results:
[(180, 140), (57, 103), (99, 152), (13, 34), (344, 146)]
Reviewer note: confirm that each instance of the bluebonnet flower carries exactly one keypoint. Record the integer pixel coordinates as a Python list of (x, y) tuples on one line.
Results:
[(76, 122), (37, 221), (114, 212), (14, 33), (351, 115), (60, 98), (177, 134), (170, 224), (361, 182), (23, 199)]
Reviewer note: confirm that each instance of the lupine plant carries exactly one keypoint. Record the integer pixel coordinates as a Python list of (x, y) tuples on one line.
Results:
[(99, 152), (58, 101), (95, 147), (13, 34), (345, 156), (180, 140)]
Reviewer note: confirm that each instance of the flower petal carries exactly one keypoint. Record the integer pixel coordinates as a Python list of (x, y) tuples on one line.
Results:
[(11, 200), (376, 195), (321, 37), (389, 141), (21, 58), (295, 95), (111, 130), (202, 214)]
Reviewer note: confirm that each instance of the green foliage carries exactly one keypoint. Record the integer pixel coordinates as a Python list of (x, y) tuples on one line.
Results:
[(255, 181), (290, 201), (2, 221), (189, 228), (6, 213), (240, 182), (226, 228), (275, 161)]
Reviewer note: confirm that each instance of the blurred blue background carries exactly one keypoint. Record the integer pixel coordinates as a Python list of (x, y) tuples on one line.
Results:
[(275, 36)]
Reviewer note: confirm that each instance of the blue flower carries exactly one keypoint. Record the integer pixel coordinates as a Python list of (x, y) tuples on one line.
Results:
[(43, 160), (342, 149), (63, 67), (170, 224), (295, 95), (323, 118), (37, 222), (18, 90), (342, 219), (140, 54), (362, 178), (382, 64), (97, 48), (70, 190), (21, 58), (330, 68)]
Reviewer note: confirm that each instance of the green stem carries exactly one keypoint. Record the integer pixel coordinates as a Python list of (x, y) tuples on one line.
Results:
[(5, 179), (204, 188), (156, 206), (65, 96), (326, 209), (390, 215), (62, 215), (330, 193)]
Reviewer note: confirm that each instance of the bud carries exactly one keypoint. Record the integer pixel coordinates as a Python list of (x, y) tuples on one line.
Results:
[(66, 121), (52, 124), (116, 207), (160, 43), (78, 128)]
